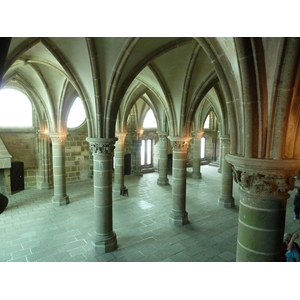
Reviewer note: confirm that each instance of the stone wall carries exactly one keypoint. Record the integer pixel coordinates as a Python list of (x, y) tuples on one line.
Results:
[(77, 156), (22, 147)]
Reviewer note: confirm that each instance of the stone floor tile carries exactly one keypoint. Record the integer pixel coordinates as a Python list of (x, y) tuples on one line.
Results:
[(144, 234)]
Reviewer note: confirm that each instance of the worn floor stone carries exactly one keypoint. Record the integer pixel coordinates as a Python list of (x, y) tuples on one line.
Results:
[(33, 230)]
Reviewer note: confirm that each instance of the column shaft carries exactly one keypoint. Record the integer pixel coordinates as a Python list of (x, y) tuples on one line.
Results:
[(226, 200), (104, 238), (163, 159), (59, 174), (264, 186), (178, 215), (119, 163), (196, 155)]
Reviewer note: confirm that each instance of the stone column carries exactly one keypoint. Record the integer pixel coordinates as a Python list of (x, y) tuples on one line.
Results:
[(178, 215), (45, 174), (59, 174), (226, 200), (264, 186), (105, 239), (119, 162), (196, 154), (136, 144), (163, 159)]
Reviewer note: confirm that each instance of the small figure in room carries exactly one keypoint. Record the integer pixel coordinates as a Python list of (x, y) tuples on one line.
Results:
[(297, 205), (292, 248)]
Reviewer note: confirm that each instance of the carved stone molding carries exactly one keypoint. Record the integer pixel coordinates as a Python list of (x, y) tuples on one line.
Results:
[(197, 134), (102, 146), (264, 177), (179, 143), (58, 138), (263, 184), (162, 135), (225, 141), (121, 136)]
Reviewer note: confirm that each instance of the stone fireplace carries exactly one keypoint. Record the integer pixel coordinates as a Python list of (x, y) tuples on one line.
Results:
[(5, 165)]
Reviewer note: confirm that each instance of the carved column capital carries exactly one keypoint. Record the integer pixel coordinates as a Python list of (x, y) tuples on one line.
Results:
[(58, 138), (197, 134), (180, 143), (162, 135), (264, 176), (121, 136), (102, 145), (225, 140)]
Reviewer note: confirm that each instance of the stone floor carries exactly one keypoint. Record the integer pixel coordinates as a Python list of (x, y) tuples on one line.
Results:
[(33, 230)]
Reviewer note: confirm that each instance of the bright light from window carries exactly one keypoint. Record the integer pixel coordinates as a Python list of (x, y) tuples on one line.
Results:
[(206, 123), (77, 114), (15, 109), (202, 149), (150, 121)]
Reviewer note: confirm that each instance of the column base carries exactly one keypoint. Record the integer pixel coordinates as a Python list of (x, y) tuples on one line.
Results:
[(117, 187), (137, 173), (178, 218), (226, 201), (104, 244), (196, 175), (162, 181), (58, 201)]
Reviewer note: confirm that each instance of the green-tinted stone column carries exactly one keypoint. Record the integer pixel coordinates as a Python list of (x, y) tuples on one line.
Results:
[(226, 200), (59, 170), (136, 144), (119, 162), (264, 186), (105, 239), (178, 215), (196, 154), (163, 159), (45, 176)]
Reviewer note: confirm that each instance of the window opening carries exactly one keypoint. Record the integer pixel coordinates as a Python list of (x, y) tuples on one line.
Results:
[(77, 114), (15, 109), (206, 123), (202, 147), (150, 121), (146, 153)]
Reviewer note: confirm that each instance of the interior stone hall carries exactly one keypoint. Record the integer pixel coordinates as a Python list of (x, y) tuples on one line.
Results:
[(150, 148)]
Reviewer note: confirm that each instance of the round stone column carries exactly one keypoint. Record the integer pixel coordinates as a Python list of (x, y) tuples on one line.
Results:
[(163, 159), (264, 186), (44, 178), (104, 238), (226, 200), (196, 154), (178, 215), (119, 162), (59, 170), (136, 144)]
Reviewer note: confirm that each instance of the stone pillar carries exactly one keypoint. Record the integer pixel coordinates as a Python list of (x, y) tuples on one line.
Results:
[(226, 200), (163, 159), (59, 174), (119, 162), (196, 154), (45, 174), (136, 144), (178, 215), (264, 186), (105, 239)]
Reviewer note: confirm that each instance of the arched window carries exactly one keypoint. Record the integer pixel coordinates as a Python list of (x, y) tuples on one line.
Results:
[(206, 123), (150, 121), (146, 153), (77, 114), (15, 109), (202, 148)]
